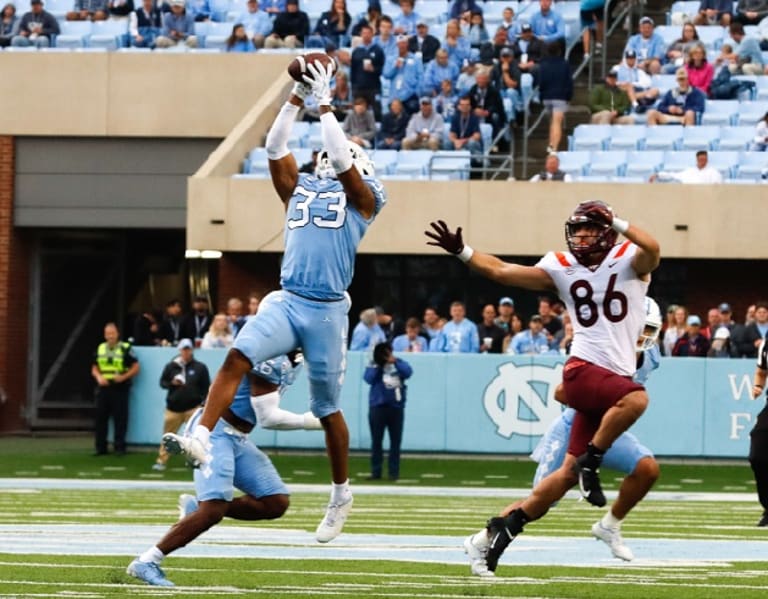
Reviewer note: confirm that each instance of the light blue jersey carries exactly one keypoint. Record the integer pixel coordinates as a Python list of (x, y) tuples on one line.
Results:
[(322, 232), (277, 371), (459, 337), (623, 455)]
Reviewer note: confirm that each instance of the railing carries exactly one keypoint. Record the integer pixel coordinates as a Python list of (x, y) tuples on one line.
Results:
[(624, 13)]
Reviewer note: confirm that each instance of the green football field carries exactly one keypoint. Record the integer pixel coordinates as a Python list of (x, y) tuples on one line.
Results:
[(70, 524)]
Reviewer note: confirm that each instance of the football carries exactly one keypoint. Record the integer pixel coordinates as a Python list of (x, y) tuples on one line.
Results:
[(298, 65)]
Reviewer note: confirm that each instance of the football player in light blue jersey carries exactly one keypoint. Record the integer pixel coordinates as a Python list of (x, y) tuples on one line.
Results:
[(626, 455), (233, 462), (327, 214)]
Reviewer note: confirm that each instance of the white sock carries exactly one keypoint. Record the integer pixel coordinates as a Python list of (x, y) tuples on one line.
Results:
[(153, 555), (340, 493), (610, 521)]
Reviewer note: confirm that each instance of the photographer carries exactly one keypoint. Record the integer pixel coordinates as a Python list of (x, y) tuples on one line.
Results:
[(187, 381), (386, 376)]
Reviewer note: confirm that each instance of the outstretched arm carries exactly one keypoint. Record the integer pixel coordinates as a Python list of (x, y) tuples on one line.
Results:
[(506, 273), (335, 142), (282, 164), (648, 255)]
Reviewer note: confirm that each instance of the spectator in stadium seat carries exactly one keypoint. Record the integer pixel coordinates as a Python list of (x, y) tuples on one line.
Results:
[(547, 24), (749, 55), (715, 12), (552, 171), (528, 50), (677, 52), (257, 23), (332, 27), (239, 41), (487, 104), (509, 23), (405, 72), (219, 335), (701, 173), (145, 24), (411, 341), (459, 335), (714, 322), (680, 105), (648, 46), (609, 104), (700, 72), (760, 140), (750, 12), (531, 341), (506, 78), (200, 10), (393, 126), (178, 27), (365, 68), (274, 7), (359, 124), (425, 128), (490, 51), (692, 343), (491, 335), (463, 9), (120, 8), (195, 325), (367, 332), (477, 34), (456, 44), (88, 10), (555, 90), (370, 17), (636, 82), (170, 326), (290, 28), (466, 78), (465, 129), (36, 27), (677, 317), (438, 70), (405, 22), (9, 24), (235, 316), (384, 39), (444, 103), (146, 328), (754, 332), (424, 43)]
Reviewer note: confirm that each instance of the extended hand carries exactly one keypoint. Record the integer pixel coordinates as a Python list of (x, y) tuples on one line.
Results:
[(319, 81), (442, 236)]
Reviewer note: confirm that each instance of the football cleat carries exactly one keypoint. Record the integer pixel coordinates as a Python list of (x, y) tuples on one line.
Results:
[(612, 538), (589, 482), (476, 550), (158, 467), (764, 520), (149, 572), (500, 538), (335, 517), (192, 449), (187, 505)]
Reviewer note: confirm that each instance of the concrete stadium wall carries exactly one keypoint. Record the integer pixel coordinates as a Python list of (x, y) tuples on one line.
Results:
[(498, 404)]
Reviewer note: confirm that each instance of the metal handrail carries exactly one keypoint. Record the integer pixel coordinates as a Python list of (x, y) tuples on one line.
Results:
[(607, 31)]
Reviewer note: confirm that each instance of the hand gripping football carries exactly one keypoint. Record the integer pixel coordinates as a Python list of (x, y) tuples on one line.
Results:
[(298, 66)]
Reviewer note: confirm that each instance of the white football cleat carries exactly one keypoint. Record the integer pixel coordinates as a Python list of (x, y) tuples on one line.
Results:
[(335, 517), (612, 538), (190, 447), (476, 550)]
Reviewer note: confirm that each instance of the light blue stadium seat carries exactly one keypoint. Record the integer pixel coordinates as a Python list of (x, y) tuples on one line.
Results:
[(762, 88), (682, 11), (593, 179), (435, 12), (627, 137), (21, 49), (415, 162), (302, 155), (735, 138), (669, 33), (589, 137), (491, 10), (663, 137), (664, 83), (675, 160), (608, 164), (574, 163), (246, 176), (455, 163), (216, 35), (110, 34), (720, 112), (401, 177), (751, 112), (314, 137), (752, 165), (73, 34), (703, 137), (256, 161), (385, 161), (712, 36), (58, 8), (726, 162), (643, 163), (299, 135)]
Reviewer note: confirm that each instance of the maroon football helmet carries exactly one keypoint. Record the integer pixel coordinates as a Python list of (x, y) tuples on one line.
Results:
[(596, 214)]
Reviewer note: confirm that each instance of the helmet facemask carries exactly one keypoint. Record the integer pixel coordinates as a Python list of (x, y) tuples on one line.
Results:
[(324, 168)]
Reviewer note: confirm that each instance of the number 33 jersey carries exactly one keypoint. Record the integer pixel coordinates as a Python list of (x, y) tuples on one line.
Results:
[(322, 232), (606, 306)]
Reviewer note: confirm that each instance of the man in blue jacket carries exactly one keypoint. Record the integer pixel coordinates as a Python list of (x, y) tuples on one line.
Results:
[(680, 105), (386, 375)]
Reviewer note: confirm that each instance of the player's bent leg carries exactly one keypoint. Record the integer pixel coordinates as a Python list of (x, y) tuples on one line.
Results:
[(619, 418), (635, 486), (248, 507), (208, 514)]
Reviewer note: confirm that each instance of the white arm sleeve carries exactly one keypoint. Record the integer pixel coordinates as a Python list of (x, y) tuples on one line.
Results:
[(277, 138), (335, 143)]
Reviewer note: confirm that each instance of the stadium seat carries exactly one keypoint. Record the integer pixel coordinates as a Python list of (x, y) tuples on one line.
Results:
[(299, 135), (413, 162), (384, 160), (720, 112), (109, 34), (664, 83), (703, 137), (256, 161), (762, 88), (750, 113), (643, 163), (712, 36), (675, 161), (735, 138), (663, 137), (607, 164), (682, 11), (453, 162), (726, 162), (627, 137), (74, 34), (593, 179), (669, 33), (752, 165), (216, 35), (302, 155), (314, 136), (589, 137), (574, 163)]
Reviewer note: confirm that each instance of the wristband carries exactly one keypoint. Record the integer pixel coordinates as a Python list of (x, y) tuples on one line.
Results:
[(202, 434), (620, 225), (465, 254)]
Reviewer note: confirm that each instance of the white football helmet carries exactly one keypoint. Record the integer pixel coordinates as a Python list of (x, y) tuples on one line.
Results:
[(324, 169), (650, 332)]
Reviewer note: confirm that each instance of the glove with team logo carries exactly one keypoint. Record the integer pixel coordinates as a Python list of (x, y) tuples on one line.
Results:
[(319, 80), (301, 90), (442, 236)]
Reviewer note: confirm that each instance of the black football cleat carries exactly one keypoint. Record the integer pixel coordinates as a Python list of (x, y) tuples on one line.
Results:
[(500, 537), (589, 482)]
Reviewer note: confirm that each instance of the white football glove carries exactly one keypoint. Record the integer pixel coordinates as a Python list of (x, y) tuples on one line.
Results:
[(301, 90), (319, 79)]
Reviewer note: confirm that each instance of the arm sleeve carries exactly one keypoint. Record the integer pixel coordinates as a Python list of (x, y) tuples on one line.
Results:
[(335, 143), (277, 138)]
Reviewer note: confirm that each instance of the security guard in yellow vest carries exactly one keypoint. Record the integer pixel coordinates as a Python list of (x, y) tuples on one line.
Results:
[(114, 365)]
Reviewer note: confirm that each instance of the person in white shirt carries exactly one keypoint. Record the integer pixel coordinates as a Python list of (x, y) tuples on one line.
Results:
[(701, 173), (552, 171)]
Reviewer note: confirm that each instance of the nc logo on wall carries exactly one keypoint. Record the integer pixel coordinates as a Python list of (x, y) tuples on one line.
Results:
[(520, 400)]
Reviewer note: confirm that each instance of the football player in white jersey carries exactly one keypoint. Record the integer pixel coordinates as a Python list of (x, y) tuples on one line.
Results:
[(327, 214), (603, 286)]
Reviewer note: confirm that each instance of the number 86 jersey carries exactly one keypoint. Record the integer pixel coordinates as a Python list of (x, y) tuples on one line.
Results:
[(605, 303)]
